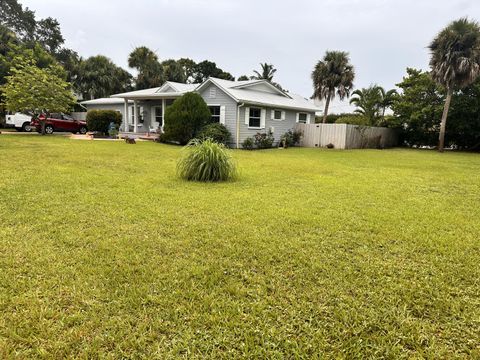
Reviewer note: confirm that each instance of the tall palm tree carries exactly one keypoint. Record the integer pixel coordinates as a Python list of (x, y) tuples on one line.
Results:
[(332, 75), (368, 102), (455, 61), (266, 73)]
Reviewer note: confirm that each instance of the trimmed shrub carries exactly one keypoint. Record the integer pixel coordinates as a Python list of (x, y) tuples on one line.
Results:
[(206, 161), (290, 138), (248, 143), (100, 120), (185, 118), (352, 120), (217, 132), (264, 140)]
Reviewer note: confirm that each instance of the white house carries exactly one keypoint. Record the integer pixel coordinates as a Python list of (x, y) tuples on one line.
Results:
[(244, 107)]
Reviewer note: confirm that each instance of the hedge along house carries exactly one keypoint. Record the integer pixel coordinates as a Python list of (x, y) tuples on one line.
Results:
[(244, 107)]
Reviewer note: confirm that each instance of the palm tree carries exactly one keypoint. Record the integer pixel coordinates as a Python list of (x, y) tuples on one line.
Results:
[(386, 99), (150, 71), (267, 72), (368, 102), (455, 61), (333, 74)]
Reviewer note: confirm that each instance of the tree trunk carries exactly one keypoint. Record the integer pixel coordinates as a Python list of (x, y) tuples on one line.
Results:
[(325, 113), (443, 125), (42, 123)]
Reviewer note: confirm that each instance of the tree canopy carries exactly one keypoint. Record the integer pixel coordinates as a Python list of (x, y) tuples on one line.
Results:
[(32, 89)]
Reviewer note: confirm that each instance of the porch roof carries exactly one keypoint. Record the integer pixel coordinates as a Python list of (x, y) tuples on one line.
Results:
[(168, 90)]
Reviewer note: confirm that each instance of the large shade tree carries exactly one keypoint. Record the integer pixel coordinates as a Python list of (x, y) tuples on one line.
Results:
[(333, 75), (455, 61), (35, 90)]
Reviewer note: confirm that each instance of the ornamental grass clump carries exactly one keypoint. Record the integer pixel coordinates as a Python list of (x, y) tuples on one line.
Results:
[(206, 161)]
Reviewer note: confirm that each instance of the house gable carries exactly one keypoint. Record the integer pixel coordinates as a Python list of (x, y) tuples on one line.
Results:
[(166, 88), (262, 86)]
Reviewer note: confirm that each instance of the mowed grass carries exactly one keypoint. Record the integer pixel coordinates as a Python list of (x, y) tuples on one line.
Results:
[(311, 253)]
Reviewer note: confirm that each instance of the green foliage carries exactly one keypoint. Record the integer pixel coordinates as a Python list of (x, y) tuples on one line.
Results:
[(248, 144), (19, 20), (463, 127), (150, 71), (206, 69), (31, 89), (455, 60), (354, 119), (263, 140), (100, 77), (185, 118), (206, 161), (419, 107), (48, 34), (368, 102), (291, 138), (243, 78), (99, 120), (217, 132), (331, 118), (267, 72), (174, 71)]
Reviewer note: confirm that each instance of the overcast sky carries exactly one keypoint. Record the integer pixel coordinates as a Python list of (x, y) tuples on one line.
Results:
[(383, 37)]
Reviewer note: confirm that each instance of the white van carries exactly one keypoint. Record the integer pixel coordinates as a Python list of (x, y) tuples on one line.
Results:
[(20, 121)]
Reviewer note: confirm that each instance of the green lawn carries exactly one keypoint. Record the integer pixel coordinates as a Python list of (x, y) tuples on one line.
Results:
[(310, 253)]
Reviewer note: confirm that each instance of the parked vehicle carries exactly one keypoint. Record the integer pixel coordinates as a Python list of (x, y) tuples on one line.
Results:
[(21, 122), (59, 122)]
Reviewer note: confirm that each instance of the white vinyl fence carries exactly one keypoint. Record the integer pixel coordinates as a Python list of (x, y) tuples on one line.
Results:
[(345, 136)]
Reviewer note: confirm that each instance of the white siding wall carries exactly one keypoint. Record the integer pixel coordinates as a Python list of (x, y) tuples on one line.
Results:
[(231, 108), (279, 127), (222, 99)]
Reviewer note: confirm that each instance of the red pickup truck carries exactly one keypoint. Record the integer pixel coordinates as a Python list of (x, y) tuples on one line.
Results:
[(59, 122)]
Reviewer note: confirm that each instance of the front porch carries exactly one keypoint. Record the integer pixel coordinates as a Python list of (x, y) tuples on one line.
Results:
[(146, 114)]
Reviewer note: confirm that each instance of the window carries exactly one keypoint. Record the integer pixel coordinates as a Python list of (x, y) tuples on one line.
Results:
[(132, 114), (277, 115), (254, 120), (158, 116), (213, 93), (302, 118), (215, 110), (67, 117)]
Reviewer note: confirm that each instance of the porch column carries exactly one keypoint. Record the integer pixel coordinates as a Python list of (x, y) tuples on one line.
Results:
[(135, 116), (163, 113), (125, 115)]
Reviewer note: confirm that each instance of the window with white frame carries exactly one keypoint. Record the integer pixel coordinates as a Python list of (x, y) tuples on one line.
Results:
[(215, 111), (277, 115), (132, 114), (302, 118), (254, 118)]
